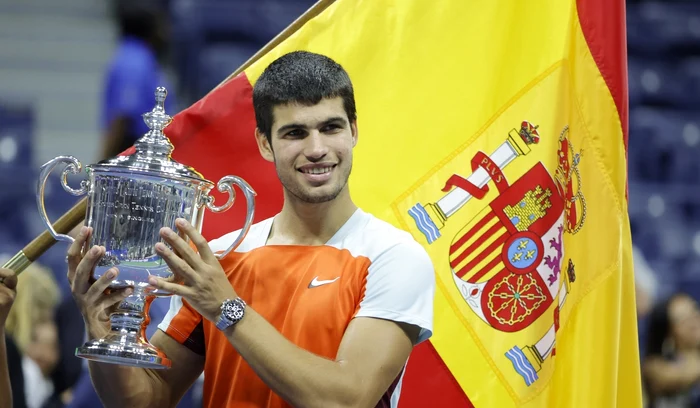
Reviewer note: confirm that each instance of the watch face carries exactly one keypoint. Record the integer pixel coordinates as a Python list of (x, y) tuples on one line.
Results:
[(233, 311)]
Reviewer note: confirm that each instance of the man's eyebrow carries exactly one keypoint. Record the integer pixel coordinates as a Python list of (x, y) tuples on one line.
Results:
[(326, 122), (334, 120)]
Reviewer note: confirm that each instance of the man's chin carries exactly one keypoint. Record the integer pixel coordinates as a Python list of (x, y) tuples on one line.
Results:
[(319, 195), (318, 198)]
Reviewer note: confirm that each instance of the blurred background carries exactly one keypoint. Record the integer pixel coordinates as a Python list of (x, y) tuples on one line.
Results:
[(75, 76)]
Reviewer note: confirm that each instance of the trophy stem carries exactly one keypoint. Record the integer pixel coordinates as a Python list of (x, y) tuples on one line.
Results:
[(126, 343)]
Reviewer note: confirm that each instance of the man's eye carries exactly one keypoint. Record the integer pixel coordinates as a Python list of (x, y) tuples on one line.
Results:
[(330, 128), (295, 133)]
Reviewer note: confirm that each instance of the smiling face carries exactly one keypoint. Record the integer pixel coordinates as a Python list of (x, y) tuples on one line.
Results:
[(311, 146)]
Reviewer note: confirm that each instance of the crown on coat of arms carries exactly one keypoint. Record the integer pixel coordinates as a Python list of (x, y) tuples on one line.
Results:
[(528, 132)]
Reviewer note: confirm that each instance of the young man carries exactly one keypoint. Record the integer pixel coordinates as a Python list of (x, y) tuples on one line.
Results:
[(320, 306)]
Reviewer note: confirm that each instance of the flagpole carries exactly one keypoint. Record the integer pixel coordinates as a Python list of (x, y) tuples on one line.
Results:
[(73, 217)]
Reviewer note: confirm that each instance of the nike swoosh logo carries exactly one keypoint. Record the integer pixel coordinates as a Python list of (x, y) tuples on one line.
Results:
[(316, 283)]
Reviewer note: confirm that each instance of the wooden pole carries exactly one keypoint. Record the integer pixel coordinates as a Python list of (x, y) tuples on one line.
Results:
[(32, 251)]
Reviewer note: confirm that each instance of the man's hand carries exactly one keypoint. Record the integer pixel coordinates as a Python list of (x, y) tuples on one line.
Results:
[(7, 293), (205, 285), (94, 300)]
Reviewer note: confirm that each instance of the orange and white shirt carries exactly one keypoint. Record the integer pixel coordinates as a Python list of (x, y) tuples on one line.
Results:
[(309, 294)]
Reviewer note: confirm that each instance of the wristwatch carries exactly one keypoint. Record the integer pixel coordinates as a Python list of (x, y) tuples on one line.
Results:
[(232, 312)]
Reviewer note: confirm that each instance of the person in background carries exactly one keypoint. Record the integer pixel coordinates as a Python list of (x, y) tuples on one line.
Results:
[(671, 363), (11, 380), (71, 334), (133, 75), (645, 283), (31, 324)]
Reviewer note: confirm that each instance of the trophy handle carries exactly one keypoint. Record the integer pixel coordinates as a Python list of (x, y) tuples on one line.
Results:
[(226, 185), (74, 167)]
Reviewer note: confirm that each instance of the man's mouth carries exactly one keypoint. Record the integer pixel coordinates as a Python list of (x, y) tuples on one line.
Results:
[(317, 170)]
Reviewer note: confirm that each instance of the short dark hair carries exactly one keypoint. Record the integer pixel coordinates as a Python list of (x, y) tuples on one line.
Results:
[(300, 77), (137, 18)]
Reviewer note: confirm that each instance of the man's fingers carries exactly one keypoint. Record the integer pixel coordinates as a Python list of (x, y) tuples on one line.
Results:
[(197, 239), (8, 278), (115, 297), (176, 264), (100, 285), (174, 288), (180, 246), (74, 253), (83, 272)]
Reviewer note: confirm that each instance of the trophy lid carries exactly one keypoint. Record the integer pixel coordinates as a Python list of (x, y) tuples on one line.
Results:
[(153, 154)]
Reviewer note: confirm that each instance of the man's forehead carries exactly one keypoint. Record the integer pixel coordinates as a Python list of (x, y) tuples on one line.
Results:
[(295, 112)]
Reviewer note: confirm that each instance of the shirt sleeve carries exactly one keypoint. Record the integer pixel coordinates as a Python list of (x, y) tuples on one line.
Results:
[(401, 287), (184, 325)]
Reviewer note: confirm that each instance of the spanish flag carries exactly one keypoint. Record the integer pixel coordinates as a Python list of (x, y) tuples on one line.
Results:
[(494, 132)]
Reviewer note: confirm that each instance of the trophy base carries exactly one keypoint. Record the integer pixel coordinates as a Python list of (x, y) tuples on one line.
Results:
[(114, 350)]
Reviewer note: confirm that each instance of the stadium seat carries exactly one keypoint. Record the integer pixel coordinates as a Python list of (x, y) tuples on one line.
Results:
[(657, 28)]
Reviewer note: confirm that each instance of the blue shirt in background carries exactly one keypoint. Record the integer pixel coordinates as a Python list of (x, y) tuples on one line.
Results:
[(130, 83)]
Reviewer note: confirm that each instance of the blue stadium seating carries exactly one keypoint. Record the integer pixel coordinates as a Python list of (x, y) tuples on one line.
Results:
[(664, 138), (219, 35), (660, 28)]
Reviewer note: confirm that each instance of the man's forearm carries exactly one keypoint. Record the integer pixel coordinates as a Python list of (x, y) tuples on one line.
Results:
[(5, 386), (298, 376), (121, 386)]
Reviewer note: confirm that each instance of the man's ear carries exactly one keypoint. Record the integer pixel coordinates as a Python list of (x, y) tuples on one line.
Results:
[(264, 146), (353, 128)]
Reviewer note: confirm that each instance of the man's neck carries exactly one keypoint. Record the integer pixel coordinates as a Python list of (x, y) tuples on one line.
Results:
[(301, 223)]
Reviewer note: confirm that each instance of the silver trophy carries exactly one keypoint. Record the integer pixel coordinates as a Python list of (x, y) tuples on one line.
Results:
[(130, 198)]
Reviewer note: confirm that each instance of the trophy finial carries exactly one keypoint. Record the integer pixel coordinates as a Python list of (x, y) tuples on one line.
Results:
[(155, 141), (161, 93), (157, 119)]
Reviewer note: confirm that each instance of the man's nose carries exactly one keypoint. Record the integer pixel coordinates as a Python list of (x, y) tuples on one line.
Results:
[(316, 147)]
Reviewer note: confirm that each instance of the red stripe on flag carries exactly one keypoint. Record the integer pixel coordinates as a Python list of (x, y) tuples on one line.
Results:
[(220, 141), (471, 248), (495, 261), (429, 382), (474, 245), (476, 228), (486, 252), (603, 23)]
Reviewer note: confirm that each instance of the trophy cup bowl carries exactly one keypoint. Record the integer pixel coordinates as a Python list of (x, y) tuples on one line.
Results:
[(129, 199)]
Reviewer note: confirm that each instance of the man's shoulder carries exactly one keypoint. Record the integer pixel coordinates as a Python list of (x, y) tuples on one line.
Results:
[(255, 238), (375, 238)]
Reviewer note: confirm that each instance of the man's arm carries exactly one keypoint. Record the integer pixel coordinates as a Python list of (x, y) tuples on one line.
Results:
[(670, 377), (371, 356), (5, 387), (120, 386)]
